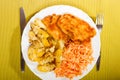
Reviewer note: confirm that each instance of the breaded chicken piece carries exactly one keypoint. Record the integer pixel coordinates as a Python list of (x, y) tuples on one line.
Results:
[(47, 20), (52, 28), (75, 28)]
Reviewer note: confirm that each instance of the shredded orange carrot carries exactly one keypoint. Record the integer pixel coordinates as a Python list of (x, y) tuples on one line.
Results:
[(75, 58)]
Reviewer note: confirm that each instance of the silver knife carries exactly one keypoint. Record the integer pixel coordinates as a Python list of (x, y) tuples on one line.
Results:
[(22, 26), (99, 25)]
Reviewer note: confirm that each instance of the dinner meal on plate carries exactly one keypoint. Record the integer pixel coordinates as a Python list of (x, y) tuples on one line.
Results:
[(61, 43)]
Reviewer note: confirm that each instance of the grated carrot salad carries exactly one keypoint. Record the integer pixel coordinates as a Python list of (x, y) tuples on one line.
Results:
[(75, 58)]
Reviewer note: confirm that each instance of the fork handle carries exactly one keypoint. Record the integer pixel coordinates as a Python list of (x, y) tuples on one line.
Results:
[(98, 62)]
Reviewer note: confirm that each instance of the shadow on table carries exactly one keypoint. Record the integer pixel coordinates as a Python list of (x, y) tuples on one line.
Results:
[(31, 15), (14, 58), (15, 51)]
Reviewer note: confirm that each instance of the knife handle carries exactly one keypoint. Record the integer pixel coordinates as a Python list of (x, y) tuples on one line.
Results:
[(22, 63), (22, 26)]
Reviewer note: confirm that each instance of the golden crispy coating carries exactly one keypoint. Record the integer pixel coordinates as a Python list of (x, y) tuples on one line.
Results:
[(47, 20), (75, 28), (52, 28)]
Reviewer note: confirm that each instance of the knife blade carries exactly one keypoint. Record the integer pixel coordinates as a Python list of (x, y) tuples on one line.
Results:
[(22, 26)]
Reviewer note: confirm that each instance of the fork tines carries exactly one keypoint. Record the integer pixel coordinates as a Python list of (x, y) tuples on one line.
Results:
[(99, 20)]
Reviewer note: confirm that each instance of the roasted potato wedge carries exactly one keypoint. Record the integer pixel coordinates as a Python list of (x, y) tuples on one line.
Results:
[(37, 44), (58, 55), (47, 58), (46, 67), (32, 53), (39, 23), (32, 36), (40, 53), (45, 42), (42, 33)]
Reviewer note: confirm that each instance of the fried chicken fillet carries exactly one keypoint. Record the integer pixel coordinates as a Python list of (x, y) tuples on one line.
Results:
[(52, 28), (75, 28)]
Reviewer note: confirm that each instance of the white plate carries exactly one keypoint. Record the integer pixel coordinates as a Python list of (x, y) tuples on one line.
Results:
[(59, 9)]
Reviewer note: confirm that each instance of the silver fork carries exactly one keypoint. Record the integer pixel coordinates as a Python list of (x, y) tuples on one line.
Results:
[(99, 25)]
